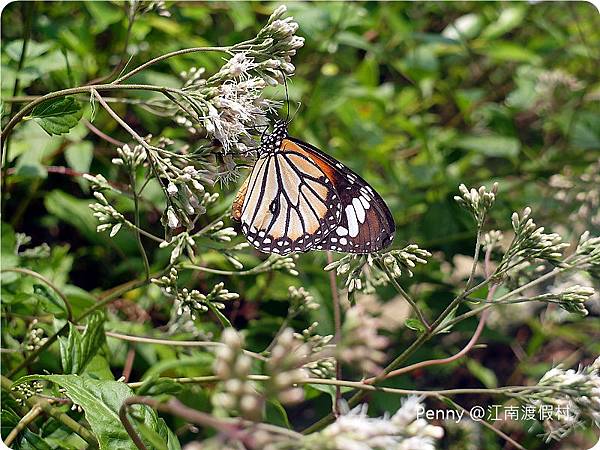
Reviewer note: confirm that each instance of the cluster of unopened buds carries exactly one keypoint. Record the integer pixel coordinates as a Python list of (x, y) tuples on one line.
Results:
[(284, 366), (107, 215), (35, 337), (477, 201), (130, 157), (27, 390), (405, 259), (300, 300), (531, 242), (233, 367), (287, 263)]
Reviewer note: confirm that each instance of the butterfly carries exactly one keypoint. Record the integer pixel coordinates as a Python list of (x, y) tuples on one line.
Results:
[(297, 198)]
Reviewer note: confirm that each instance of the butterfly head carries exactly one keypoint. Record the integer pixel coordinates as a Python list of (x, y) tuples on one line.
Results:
[(272, 142)]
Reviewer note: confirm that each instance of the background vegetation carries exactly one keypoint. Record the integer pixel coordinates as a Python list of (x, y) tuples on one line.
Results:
[(416, 97)]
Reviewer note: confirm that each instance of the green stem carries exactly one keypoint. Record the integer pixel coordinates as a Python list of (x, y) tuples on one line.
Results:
[(46, 281), (113, 295), (27, 19), (137, 227), (78, 90), (52, 412), (506, 390), (404, 294), (170, 55)]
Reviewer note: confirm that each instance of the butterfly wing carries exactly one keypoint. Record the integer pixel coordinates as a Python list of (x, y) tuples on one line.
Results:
[(366, 224), (288, 204)]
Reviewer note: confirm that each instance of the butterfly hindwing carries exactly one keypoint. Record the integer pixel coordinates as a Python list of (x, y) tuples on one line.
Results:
[(366, 224)]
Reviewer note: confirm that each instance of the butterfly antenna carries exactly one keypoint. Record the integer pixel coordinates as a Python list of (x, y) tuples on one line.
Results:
[(296, 112), (287, 98)]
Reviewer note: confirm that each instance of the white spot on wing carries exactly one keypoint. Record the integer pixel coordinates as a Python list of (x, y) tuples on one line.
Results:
[(360, 211), (352, 221), (364, 202), (341, 231), (343, 241)]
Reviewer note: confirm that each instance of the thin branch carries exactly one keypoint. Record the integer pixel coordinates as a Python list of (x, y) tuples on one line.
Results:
[(49, 283), (171, 342), (170, 55), (233, 428), (470, 344), (52, 412), (337, 321), (406, 296), (507, 390), (137, 228), (78, 90), (484, 423), (33, 413), (101, 134)]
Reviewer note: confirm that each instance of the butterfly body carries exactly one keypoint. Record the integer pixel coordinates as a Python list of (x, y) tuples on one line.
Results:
[(298, 198)]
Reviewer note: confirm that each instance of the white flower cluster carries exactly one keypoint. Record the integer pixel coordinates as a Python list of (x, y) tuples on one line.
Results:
[(573, 398), (477, 201), (361, 344), (356, 430), (228, 106)]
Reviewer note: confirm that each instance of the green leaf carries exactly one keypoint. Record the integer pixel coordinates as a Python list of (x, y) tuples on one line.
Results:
[(101, 401), (159, 386), (92, 339), (167, 434), (275, 414), (54, 304), (483, 374), (507, 51), (490, 145), (509, 18), (415, 324), (465, 27), (79, 156), (57, 116), (77, 350), (70, 350), (13, 49), (155, 440), (586, 131), (35, 441)]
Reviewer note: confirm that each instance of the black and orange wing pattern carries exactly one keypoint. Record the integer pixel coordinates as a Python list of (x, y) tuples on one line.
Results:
[(366, 224), (298, 198)]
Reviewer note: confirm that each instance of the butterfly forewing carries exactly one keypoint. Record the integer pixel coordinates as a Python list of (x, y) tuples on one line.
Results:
[(289, 204), (366, 224)]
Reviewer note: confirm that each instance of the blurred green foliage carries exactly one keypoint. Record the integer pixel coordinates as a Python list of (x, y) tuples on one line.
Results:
[(417, 97)]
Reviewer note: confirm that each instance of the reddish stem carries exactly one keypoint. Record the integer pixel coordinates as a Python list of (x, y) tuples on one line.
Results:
[(467, 348)]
